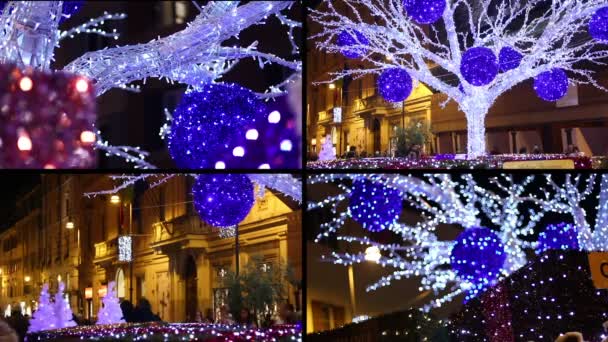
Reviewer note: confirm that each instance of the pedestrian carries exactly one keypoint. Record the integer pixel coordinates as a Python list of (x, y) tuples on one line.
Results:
[(127, 311), (143, 312), (7, 334), (245, 318)]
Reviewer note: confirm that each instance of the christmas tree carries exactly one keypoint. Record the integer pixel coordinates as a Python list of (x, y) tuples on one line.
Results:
[(43, 318), (472, 51), (62, 310), (327, 150), (110, 312)]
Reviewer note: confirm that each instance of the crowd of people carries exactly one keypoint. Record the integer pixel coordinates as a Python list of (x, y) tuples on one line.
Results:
[(285, 315)]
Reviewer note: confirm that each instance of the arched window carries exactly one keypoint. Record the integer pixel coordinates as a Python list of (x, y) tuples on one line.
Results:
[(120, 283)]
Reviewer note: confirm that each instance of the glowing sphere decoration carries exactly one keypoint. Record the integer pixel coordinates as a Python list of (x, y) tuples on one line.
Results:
[(479, 66), (223, 200), (558, 236), (509, 58), (551, 85), (395, 84), (598, 25), (346, 41), (46, 119), (269, 143), (374, 205), (478, 255), (424, 11), (207, 122)]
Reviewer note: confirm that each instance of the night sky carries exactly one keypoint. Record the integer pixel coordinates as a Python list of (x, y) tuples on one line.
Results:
[(13, 187)]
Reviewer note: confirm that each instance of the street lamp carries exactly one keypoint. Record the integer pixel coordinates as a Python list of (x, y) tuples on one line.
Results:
[(27, 279), (332, 86), (372, 254), (115, 199), (69, 225), (125, 241)]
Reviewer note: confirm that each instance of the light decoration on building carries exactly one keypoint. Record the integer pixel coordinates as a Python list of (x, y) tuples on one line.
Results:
[(393, 29), (462, 201), (195, 56), (360, 318), (125, 244)]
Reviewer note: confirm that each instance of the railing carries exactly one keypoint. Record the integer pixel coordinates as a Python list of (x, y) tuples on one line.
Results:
[(179, 228), (106, 249)]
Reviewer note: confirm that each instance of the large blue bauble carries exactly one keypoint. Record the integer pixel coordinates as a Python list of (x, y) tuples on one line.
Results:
[(395, 84), (478, 255), (558, 236), (207, 122), (347, 40), (551, 85), (598, 25), (509, 58), (223, 200), (374, 205), (424, 11), (479, 66)]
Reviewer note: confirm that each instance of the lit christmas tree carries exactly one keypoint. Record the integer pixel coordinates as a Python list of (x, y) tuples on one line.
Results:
[(44, 317), (480, 256), (196, 56), (479, 49), (61, 309), (327, 150), (110, 312)]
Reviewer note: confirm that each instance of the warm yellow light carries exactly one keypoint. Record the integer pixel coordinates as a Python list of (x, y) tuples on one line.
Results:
[(87, 137), (82, 85), (332, 86), (26, 84), (59, 277), (69, 225), (24, 143), (115, 199), (27, 279), (372, 253)]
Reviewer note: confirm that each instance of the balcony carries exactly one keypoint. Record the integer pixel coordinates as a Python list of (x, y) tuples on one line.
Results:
[(370, 104), (184, 232), (106, 251)]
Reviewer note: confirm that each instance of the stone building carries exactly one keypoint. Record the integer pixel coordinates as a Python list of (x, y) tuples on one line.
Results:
[(177, 261)]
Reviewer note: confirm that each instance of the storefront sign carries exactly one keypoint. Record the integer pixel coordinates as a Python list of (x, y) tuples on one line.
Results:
[(598, 263), (565, 164)]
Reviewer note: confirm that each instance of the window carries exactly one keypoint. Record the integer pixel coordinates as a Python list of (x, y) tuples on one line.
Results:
[(180, 11)]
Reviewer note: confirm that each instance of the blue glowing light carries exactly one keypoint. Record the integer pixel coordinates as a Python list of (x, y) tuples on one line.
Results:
[(425, 11), (479, 66), (509, 58), (71, 7), (223, 200), (558, 236), (478, 256), (346, 41), (374, 205), (551, 85), (207, 122), (395, 85), (598, 25)]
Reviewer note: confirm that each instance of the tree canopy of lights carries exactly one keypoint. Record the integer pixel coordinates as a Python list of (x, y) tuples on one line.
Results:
[(473, 51), (194, 56), (513, 205)]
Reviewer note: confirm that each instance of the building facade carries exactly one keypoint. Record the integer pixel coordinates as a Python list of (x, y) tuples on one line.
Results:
[(352, 113), (177, 260)]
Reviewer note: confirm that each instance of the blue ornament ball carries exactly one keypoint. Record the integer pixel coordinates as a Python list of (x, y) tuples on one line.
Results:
[(479, 66), (346, 41), (269, 143), (207, 122), (509, 58), (374, 205), (223, 200), (598, 25), (558, 236), (478, 255), (71, 7), (551, 85), (395, 84), (424, 11)]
